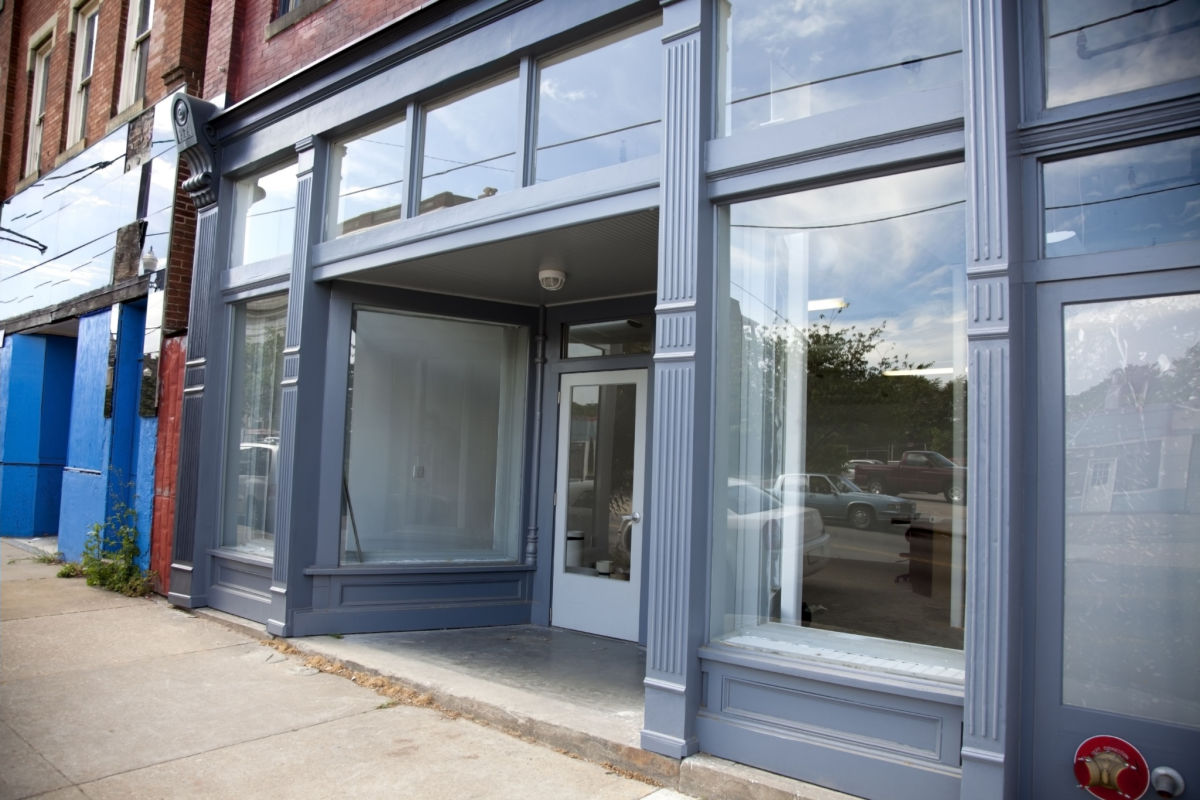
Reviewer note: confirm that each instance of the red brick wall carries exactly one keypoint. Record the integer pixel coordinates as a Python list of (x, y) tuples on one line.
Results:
[(178, 46), (166, 458), (258, 62)]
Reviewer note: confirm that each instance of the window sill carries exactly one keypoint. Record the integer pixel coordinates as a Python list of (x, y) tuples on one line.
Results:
[(124, 115), (303, 9), (72, 151), (924, 671)]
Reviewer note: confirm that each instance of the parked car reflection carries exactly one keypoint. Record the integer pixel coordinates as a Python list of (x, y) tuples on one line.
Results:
[(840, 500), (772, 545)]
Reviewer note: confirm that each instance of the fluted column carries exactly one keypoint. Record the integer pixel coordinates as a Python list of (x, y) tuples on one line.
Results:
[(993, 308), (198, 148), (300, 405), (681, 472)]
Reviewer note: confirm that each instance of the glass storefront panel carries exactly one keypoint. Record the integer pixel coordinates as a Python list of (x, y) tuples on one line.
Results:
[(369, 185), (470, 146), (1131, 581), (790, 59), (256, 394), (1095, 48), (588, 117), (434, 433), (840, 524), (1134, 197), (264, 217)]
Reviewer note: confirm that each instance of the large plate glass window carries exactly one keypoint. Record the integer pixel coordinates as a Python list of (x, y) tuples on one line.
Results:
[(368, 183), (1095, 48), (790, 59), (255, 401), (589, 116), (469, 147), (840, 524), (265, 216), (434, 435), (1133, 197)]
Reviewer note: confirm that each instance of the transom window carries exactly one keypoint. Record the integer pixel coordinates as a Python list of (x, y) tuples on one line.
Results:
[(476, 143), (1095, 48), (1140, 196), (265, 221), (790, 59), (470, 146), (370, 185), (589, 113)]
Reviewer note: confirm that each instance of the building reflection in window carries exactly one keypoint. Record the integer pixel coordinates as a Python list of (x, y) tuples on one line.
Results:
[(1131, 581)]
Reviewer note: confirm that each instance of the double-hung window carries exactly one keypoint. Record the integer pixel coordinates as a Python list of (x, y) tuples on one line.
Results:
[(37, 105), (86, 18), (137, 51)]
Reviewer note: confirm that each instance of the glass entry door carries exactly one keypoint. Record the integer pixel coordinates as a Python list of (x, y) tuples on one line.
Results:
[(598, 511), (1116, 622)]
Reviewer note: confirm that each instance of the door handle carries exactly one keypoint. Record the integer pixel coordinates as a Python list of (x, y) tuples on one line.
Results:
[(634, 517)]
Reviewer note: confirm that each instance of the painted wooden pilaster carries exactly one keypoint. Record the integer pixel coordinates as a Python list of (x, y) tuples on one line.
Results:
[(681, 472), (992, 107), (197, 147), (298, 448)]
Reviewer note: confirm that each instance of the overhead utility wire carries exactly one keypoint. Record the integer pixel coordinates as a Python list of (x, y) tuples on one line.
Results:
[(1123, 197), (849, 224), (856, 73), (1113, 18)]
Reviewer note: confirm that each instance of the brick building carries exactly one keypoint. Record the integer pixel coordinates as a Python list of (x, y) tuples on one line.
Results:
[(95, 263)]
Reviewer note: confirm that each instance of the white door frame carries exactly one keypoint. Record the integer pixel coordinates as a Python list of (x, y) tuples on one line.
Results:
[(581, 599)]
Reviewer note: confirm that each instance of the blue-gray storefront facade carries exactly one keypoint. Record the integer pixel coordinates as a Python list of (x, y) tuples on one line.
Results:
[(535, 312)]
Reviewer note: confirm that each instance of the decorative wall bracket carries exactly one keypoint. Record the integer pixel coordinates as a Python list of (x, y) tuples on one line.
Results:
[(191, 117)]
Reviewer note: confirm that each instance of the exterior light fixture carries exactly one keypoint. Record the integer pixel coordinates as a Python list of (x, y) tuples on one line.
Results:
[(552, 279)]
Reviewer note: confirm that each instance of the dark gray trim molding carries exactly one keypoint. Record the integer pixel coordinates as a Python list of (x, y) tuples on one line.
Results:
[(681, 471)]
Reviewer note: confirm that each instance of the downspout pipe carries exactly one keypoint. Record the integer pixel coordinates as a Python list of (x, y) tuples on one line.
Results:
[(539, 366)]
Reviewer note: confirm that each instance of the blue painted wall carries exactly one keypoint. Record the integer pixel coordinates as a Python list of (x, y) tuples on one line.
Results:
[(110, 460), (36, 377), (85, 477)]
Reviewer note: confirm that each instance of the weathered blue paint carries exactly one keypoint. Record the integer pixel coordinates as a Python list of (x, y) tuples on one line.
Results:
[(143, 490), (85, 476), (36, 374), (110, 460)]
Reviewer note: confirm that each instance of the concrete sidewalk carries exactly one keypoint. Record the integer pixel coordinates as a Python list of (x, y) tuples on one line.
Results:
[(107, 696)]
